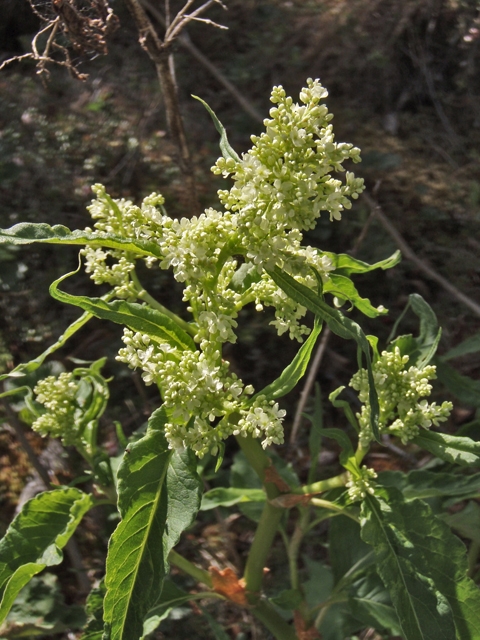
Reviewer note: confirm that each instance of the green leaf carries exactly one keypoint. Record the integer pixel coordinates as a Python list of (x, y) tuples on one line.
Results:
[(470, 345), (338, 323), (425, 543), (294, 372), (466, 389), (94, 611), (456, 449), (29, 232), (347, 456), (170, 598), (422, 483), (342, 287), (421, 349), (346, 548), (32, 365), (370, 603), (35, 538), (466, 522), (343, 404), (423, 611), (347, 265), (228, 496), (137, 317), (227, 151), (159, 495)]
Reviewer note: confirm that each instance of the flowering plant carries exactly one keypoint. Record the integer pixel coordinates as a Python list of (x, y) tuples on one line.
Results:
[(249, 253)]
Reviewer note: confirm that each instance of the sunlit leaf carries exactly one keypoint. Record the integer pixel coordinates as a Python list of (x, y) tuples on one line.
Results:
[(36, 537), (456, 449), (159, 496), (29, 232)]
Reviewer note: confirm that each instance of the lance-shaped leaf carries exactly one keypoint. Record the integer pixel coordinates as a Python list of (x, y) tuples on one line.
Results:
[(338, 323), (294, 372), (159, 326), (423, 612), (35, 538), (435, 552), (29, 232), (159, 495), (225, 148), (346, 265), (456, 449), (33, 365)]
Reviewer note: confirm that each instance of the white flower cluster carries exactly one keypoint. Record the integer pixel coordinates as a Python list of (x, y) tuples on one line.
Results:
[(360, 486), (199, 384), (121, 218), (57, 395), (280, 188), (400, 389)]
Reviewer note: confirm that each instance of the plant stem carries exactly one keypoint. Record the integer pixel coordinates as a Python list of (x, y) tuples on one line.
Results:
[(260, 549), (317, 502), (277, 626), (293, 548), (322, 485), (146, 297), (188, 567), (256, 456)]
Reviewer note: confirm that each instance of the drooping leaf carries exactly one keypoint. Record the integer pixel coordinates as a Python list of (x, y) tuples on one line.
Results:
[(338, 323), (466, 389), (159, 495), (137, 317), (421, 483), (347, 265), (347, 456), (421, 349), (342, 287), (291, 375), (36, 537), (423, 612), (29, 232), (32, 365), (228, 496), (456, 449), (225, 148)]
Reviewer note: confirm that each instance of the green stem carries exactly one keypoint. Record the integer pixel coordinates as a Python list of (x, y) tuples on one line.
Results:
[(277, 626), (260, 549), (256, 456), (322, 485), (146, 297), (269, 520), (317, 502), (188, 567), (293, 548)]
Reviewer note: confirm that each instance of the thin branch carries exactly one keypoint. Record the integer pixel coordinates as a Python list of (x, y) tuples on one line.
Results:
[(409, 254), (310, 381), (185, 42)]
